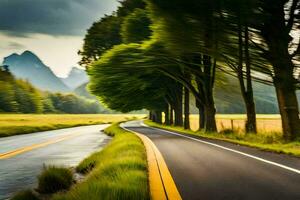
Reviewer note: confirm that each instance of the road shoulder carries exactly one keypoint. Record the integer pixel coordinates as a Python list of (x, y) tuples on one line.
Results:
[(161, 183)]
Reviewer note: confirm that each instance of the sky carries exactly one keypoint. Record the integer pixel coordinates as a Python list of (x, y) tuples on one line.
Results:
[(52, 29)]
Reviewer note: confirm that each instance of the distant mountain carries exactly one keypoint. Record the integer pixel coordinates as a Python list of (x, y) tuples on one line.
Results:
[(29, 67), (76, 78)]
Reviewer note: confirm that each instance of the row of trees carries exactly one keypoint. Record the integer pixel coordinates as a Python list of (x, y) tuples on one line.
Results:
[(18, 96), (154, 54)]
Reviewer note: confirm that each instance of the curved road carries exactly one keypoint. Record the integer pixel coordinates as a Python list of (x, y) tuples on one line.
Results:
[(216, 170), (64, 147)]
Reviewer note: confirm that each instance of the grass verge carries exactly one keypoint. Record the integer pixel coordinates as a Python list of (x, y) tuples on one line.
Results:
[(267, 142), (119, 171), (54, 179), (15, 124), (25, 195)]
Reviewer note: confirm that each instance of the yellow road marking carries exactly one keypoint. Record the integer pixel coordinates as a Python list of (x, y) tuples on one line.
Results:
[(34, 146), (157, 190), (169, 183), (162, 185)]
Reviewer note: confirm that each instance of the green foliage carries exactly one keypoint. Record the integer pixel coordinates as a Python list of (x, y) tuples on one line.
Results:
[(69, 103), (18, 95), (128, 6), (117, 172), (136, 27), (21, 97), (103, 35), (125, 81), (54, 179), (27, 97), (25, 195), (188, 42)]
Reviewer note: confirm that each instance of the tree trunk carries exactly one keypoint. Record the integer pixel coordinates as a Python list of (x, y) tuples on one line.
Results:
[(201, 115), (167, 115), (209, 105), (158, 117), (210, 120), (153, 113), (172, 115), (247, 91), (150, 115), (186, 109), (276, 31), (251, 116), (250, 105), (178, 116), (288, 104), (178, 109)]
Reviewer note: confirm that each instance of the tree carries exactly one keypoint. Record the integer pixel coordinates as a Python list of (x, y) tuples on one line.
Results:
[(194, 43), (280, 47), (102, 36), (136, 27), (105, 33), (124, 82)]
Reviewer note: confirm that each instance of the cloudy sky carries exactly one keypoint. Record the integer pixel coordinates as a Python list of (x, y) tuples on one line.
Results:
[(52, 29)]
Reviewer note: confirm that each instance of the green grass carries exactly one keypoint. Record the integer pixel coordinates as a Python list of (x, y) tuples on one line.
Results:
[(15, 124), (119, 171), (54, 179), (266, 141), (25, 195)]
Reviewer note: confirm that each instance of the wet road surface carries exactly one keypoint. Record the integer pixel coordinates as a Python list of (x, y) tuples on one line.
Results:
[(20, 171)]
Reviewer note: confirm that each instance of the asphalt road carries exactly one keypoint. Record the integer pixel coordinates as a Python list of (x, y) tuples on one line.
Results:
[(20, 171), (216, 170)]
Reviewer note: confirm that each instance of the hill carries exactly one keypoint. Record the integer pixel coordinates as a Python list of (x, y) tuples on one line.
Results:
[(28, 66)]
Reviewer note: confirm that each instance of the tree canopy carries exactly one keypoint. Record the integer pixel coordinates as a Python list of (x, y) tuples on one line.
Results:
[(191, 44)]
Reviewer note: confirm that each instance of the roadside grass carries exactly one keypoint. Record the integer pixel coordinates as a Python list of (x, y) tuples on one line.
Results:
[(268, 141), (25, 195), (15, 124), (266, 123), (119, 171), (54, 179)]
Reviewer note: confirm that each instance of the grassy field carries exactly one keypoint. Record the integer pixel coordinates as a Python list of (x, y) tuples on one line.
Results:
[(117, 172), (265, 123), (14, 124), (263, 140)]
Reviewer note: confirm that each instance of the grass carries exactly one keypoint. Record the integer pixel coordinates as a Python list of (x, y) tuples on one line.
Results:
[(54, 179), (25, 195), (119, 171), (265, 123), (267, 141), (15, 124)]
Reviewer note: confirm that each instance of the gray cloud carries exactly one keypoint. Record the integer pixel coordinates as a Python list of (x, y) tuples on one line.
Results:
[(53, 17), (11, 46), (15, 45)]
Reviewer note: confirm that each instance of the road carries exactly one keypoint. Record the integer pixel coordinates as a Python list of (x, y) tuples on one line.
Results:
[(216, 170), (64, 147)]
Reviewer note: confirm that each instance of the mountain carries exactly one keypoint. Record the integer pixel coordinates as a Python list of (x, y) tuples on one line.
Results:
[(29, 67), (75, 78)]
